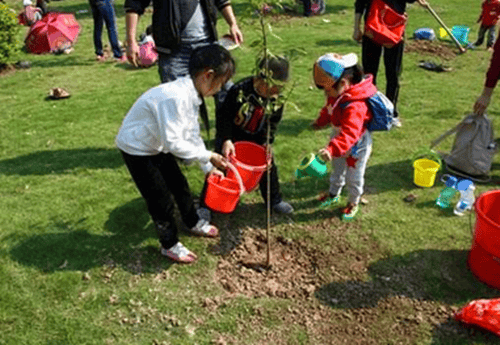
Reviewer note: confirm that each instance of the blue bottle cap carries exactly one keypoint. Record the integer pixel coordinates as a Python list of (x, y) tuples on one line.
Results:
[(464, 184), (451, 181)]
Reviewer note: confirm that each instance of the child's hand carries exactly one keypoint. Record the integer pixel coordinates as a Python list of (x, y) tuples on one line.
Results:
[(216, 171), (218, 161), (325, 155), (228, 149)]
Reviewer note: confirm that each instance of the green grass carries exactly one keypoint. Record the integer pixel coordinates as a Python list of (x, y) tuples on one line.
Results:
[(79, 259)]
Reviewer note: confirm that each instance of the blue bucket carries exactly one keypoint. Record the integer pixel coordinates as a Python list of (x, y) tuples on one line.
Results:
[(461, 33)]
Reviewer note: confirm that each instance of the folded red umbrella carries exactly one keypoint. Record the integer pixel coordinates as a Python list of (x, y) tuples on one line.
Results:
[(51, 32)]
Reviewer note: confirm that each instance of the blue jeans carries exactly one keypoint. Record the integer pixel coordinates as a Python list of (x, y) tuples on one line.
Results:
[(103, 11), (176, 64)]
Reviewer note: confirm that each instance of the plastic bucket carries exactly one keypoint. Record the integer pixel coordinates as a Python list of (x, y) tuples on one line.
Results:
[(223, 193), (442, 33), (425, 171), (311, 165), (250, 161), (484, 266), (487, 228), (461, 33), (484, 257)]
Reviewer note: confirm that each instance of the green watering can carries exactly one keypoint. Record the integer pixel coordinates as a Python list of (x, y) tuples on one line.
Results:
[(311, 165)]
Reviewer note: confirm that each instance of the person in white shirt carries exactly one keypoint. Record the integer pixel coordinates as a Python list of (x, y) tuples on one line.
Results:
[(161, 127)]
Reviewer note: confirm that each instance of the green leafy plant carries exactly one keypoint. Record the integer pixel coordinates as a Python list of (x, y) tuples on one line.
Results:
[(9, 45)]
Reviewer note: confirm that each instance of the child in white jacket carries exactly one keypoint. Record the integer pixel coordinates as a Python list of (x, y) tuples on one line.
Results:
[(162, 127)]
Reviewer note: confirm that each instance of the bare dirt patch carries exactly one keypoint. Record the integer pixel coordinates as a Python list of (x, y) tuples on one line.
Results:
[(337, 294), (434, 48)]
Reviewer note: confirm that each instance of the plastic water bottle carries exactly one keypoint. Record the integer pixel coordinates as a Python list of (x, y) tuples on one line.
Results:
[(448, 192), (466, 189)]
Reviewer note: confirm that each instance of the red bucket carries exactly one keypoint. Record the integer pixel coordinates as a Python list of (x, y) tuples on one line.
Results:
[(487, 228), (484, 266), (484, 257), (223, 193), (250, 161)]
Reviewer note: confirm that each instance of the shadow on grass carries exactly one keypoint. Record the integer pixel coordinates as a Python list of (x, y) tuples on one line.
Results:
[(61, 161), (431, 275), (70, 246)]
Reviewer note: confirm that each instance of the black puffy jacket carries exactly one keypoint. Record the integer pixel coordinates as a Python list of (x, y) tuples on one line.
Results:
[(170, 17)]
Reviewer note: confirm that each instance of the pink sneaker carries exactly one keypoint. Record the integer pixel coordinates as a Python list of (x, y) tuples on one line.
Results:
[(100, 58)]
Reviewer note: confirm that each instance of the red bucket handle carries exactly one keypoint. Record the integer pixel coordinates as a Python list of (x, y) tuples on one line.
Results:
[(238, 177)]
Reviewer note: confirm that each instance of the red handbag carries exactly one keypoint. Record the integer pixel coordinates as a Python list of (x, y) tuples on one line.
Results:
[(384, 25)]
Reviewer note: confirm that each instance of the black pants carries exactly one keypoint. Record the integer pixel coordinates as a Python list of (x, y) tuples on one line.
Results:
[(393, 62), (159, 179)]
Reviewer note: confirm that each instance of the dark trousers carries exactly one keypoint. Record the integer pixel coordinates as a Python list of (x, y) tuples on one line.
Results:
[(159, 179), (393, 62), (491, 36)]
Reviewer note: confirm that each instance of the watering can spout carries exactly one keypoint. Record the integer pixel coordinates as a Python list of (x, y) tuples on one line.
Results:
[(299, 173)]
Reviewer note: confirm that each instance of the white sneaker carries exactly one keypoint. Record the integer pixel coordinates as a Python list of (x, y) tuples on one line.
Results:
[(179, 253), (204, 228)]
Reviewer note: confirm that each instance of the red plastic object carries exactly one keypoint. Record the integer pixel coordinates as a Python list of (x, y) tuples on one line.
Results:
[(250, 161), (223, 193), (384, 25), (51, 32), (484, 256), (482, 313)]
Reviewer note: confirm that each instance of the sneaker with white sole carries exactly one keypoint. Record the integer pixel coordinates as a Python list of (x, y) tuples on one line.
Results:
[(179, 253), (204, 228)]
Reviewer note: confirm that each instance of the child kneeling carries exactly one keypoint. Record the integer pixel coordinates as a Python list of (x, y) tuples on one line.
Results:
[(346, 89), (162, 127)]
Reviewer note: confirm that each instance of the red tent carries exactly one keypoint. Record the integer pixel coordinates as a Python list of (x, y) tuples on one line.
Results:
[(51, 32)]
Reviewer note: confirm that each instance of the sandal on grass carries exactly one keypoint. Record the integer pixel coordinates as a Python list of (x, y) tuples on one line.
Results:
[(179, 253), (204, 228)]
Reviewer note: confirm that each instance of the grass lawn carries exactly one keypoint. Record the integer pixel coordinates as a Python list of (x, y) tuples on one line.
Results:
[(79, 259)]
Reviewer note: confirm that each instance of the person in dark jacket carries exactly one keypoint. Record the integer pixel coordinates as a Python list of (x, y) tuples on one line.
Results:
[(179, 26), (371, 51), (241, 118)]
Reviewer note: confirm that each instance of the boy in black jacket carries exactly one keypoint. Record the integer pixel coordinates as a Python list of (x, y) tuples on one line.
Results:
[(241, 118)]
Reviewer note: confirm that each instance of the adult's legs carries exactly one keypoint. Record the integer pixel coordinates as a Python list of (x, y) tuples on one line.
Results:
[(98, 22), (480, 36), (393, 62), (491, 37), (370, 57), (158, 179), (108, 14)]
